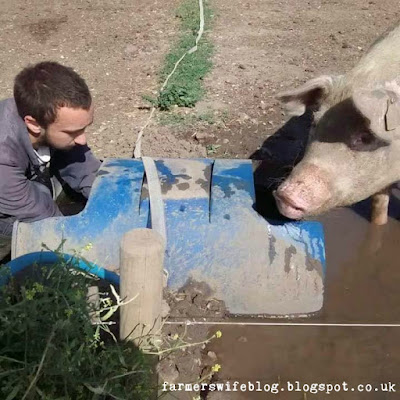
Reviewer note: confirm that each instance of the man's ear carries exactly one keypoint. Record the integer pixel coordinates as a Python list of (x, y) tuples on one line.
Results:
[(311, 94), (34, 128)]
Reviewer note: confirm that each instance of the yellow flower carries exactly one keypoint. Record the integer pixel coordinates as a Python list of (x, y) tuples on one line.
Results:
[(88, 246), (218, 334), (68, 312), (215, 368)]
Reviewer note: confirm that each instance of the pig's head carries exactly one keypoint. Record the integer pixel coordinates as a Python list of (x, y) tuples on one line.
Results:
[(353, 151)]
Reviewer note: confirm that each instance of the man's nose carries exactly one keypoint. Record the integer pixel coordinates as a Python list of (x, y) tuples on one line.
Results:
[(81, 139)]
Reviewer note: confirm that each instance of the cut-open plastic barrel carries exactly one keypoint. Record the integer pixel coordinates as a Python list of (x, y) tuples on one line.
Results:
[(214, 235)]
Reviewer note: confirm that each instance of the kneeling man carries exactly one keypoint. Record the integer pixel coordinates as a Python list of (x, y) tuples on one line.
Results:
[(43, 144)]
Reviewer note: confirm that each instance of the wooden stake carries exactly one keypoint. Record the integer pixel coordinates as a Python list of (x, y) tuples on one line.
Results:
[(141, 270)]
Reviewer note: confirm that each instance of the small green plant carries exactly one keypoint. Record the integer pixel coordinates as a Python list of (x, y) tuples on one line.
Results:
[(212, 148), (50, 349), (175, 94)]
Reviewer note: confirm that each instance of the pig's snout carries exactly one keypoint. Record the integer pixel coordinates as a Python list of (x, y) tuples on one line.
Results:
[(305, 192)]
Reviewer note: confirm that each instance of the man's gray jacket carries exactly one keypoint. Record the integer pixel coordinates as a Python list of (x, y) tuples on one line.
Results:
[(21, 198)]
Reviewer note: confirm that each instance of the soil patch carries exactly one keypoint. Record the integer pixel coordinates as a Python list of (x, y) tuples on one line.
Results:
[(191, 364)]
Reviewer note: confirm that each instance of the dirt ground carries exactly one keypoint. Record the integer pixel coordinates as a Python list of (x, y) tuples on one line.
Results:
[(264, 47), (261, 48)]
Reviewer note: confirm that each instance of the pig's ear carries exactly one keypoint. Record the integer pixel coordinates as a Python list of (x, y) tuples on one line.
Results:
[(381, 109), (392, 116), (311, 94)]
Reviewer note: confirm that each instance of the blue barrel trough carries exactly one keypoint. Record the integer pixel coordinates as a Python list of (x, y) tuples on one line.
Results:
[(213, 234)]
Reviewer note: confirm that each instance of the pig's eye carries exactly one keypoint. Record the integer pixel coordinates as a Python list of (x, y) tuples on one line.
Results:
[(364, 141)]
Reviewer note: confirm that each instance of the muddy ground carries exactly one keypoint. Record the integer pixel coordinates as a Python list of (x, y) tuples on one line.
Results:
[(261, 48)]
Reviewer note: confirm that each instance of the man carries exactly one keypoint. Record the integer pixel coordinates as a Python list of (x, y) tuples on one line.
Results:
[(42, 136)]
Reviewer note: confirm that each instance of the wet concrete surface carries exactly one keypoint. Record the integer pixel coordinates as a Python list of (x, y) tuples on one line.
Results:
[(362, 286)]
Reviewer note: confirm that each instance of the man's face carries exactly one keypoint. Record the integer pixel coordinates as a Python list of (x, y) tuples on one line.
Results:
[(68, 129)]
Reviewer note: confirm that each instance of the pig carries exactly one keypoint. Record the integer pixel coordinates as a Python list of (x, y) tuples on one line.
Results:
[(353, 151)]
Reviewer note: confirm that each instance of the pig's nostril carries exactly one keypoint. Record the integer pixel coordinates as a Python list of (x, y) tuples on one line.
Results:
[(287, 200)]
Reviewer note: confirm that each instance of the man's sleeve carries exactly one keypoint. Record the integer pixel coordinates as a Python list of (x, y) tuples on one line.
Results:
[(24, 199), (77, 167)]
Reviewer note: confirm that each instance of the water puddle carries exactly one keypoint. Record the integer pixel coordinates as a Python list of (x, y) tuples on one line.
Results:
[(362, 286)]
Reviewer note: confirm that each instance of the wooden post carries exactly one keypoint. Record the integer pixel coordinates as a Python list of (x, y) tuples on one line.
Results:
[(141, 271)]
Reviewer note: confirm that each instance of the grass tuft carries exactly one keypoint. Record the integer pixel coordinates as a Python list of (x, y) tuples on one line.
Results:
[(185, 87)]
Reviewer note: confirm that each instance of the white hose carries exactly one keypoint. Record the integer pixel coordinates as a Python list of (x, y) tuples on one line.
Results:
[(137, 153)]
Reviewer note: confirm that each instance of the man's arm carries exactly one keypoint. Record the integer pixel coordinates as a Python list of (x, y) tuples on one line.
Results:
[(77, 167), (24, 199)]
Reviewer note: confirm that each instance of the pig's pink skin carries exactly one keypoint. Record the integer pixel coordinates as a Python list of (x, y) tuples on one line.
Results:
[(341, 165), (287, 209), (295, 199)]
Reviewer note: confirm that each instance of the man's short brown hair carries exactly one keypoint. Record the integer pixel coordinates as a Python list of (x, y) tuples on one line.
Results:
[(39, 90)]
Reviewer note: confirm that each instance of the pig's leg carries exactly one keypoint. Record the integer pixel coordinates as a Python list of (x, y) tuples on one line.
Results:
[(380, 205)]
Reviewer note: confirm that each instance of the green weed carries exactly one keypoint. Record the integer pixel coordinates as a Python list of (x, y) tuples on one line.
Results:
[(212, 148), (49, 348), (185, 87)]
